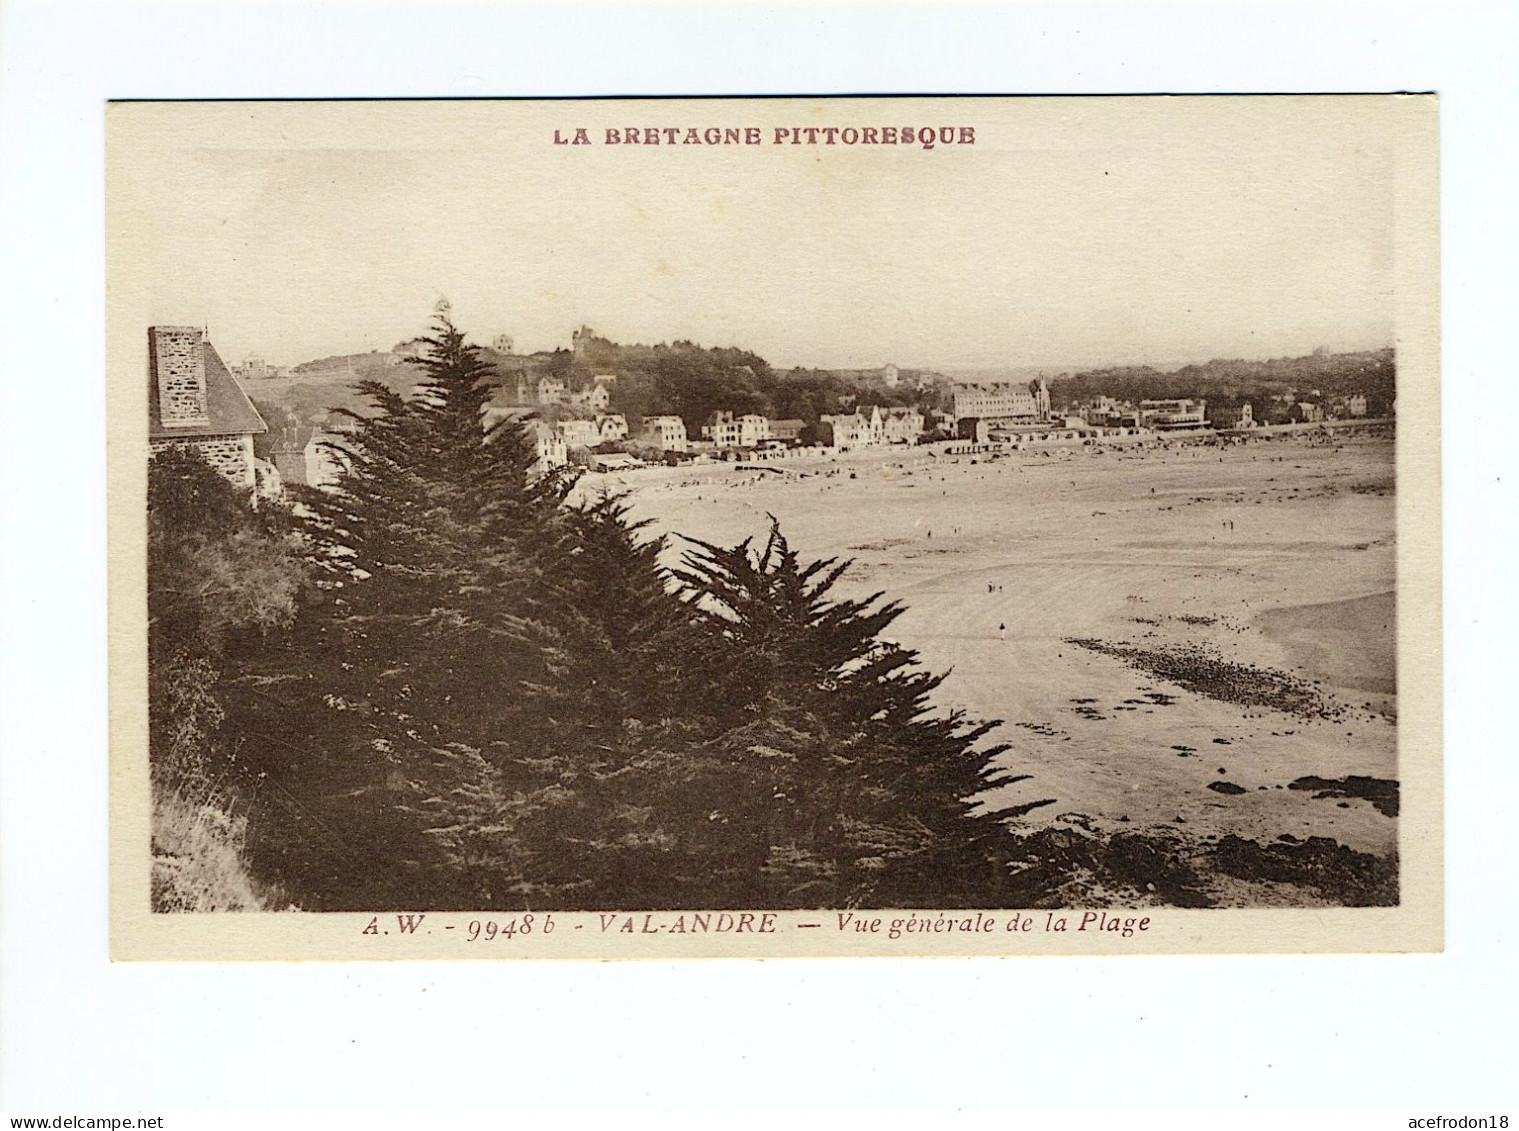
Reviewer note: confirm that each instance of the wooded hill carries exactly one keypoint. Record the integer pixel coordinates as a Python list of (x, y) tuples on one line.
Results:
[(1228, 383), (691, 381)]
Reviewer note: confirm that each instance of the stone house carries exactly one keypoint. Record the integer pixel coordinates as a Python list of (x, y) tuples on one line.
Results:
[(195, 402)]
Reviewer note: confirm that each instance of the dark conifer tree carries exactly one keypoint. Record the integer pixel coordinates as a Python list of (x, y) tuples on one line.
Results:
[(885, 790), (432, 653), (499, 699)]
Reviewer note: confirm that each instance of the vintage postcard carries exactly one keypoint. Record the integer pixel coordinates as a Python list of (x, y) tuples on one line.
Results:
[(627, 528)]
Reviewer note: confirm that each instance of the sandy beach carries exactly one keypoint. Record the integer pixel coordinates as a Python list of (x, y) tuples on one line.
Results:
[(1233, 607)]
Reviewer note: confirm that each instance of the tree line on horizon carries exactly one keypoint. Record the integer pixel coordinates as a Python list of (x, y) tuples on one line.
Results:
[(1229, 383), (443, 685)]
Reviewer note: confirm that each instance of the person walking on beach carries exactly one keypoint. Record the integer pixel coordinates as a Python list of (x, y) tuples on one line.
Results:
[(1002, 632)]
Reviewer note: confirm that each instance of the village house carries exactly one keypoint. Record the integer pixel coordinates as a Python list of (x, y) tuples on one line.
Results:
[(1344, 407), (551, 390), (255, 368), (1100, 412), (594, 397), (753, 430), (667, 433), (855, 430), (288, 455), (787, 431), (612, 427), (324, 462), (903, 425), (580, 433), (194, 402), (548, 444), (323, 466), (723, 430), (552, 450)]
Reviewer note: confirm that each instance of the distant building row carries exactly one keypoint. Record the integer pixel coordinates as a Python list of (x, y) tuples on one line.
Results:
[(880, 426), (546, 391)]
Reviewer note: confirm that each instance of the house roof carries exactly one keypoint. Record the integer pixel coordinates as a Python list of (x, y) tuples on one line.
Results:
[(618, 460), (228, 408)]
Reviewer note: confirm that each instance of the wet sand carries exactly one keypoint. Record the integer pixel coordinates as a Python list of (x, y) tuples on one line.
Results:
[(1274, 554), (1352, 644)]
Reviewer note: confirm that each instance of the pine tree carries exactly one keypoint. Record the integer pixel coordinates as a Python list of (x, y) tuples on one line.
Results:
[(885, 790), (499, 698), (481, 653), (432, 645)]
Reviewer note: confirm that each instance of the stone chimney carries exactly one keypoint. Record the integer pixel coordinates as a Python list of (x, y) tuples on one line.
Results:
[(178, 359)]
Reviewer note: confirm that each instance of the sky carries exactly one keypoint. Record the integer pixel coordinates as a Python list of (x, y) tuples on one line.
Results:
[(1072, 232)]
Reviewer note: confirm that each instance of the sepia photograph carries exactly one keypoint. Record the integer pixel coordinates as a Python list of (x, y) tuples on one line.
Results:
[(824, 525), (832, 559)]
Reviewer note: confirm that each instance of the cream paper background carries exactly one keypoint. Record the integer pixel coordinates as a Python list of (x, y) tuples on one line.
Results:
[(140, 135)]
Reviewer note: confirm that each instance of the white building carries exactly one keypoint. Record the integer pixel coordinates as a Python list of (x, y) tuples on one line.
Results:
[(667, 433), (1183, 415), (324, 463), (552, 450), (580, 433), (856, 430), (903, 425), (753, 430), (723, 430), (1002, 401)]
